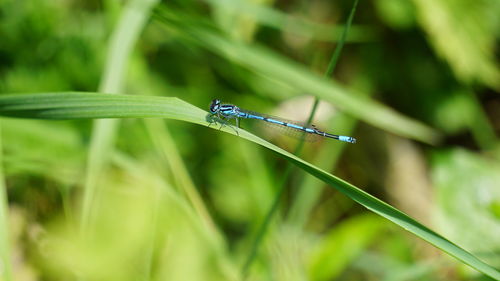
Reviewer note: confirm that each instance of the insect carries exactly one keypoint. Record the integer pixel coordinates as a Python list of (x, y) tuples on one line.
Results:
[(229, 111)]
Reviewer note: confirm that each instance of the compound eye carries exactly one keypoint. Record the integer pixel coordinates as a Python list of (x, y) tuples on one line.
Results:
[(214, 106)]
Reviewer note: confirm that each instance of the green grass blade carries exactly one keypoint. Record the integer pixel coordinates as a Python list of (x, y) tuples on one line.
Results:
[(469, 50), (298, 150), (95, 105), (82, 105), (166, 147), (340, 45), (343, 244), (268, 16), (310, 189), (130, 25), (5, 260)]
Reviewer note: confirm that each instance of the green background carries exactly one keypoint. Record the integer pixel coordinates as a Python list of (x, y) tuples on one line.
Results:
[(417, 84)]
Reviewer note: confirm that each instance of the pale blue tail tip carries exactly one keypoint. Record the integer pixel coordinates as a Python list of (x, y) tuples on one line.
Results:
[(347, 139)]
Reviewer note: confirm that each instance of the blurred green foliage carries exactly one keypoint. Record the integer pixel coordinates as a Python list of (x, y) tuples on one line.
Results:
[(180, 202)]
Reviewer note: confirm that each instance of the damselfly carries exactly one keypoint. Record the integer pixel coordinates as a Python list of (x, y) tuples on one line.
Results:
[(229, 111)]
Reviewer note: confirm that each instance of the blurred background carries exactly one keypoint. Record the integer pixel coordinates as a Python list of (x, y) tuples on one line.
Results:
[(177, 201)]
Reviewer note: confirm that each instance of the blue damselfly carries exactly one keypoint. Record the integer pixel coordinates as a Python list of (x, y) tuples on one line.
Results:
[(229, 111)]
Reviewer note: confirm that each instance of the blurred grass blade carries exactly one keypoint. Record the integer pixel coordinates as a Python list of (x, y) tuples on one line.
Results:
[(305, 198), (132, 21), (164, 144), (461, 33), (343, 244), (5, 260), (273, 66), (298, 150), (269, 16), (95, 105), (310, 189)]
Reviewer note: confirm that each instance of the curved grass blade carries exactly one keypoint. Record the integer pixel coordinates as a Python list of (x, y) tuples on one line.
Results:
[(72, 105), (82, 105)]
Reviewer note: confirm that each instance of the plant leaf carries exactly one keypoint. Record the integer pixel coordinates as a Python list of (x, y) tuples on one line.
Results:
[(74, 105)]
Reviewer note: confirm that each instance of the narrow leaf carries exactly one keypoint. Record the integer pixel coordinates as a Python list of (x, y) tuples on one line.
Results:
[(73, 105)]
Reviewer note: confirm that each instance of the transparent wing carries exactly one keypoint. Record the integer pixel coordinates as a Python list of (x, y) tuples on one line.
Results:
[(284, 130)]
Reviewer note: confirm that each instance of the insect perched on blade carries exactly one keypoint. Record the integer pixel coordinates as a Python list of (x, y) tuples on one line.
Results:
[(229, 111)]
